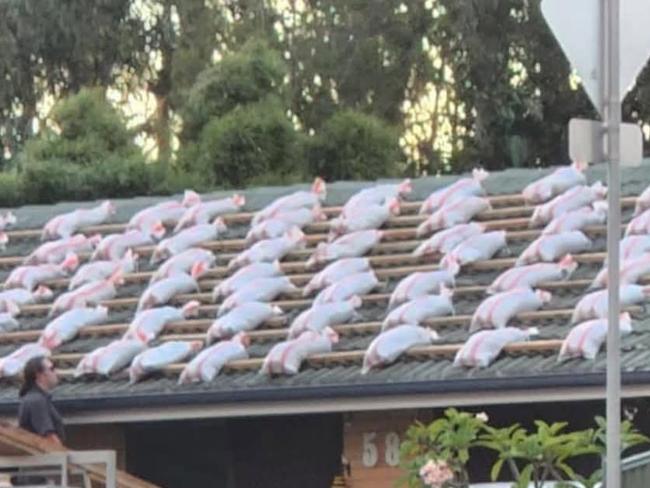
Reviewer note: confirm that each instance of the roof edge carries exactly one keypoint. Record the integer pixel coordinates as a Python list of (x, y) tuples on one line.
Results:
[(342, 398)]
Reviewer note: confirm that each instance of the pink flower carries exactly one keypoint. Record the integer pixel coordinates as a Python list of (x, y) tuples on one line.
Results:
[(435, 473)]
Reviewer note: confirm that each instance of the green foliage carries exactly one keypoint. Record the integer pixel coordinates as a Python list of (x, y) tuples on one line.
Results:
[(53, 47), (536, 457), (89, 130), (54, 181), (250, 141), (10, 189), (448, 439), (246, 76), (353, 146), (539, 456)]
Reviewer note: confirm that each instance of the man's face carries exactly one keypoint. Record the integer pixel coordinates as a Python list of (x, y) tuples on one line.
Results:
[(48, 377)]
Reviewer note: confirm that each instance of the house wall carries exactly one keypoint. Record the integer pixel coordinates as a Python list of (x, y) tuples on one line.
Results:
[(95, 437), (371, 439), (304, 450), (286, 451)]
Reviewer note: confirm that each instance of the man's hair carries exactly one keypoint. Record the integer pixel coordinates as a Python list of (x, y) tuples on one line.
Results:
[(32, 368)]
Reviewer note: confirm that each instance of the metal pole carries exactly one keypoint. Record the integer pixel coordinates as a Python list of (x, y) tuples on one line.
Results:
[(612, 121)]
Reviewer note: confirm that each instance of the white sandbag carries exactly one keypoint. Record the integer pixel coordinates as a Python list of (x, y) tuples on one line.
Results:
[(184, 262), (7, 220), (153, 219), (642, 202), (444, 241), (89, 294), (287, 357), (101, 270), (188, 238), (351, 245), (55, 252), (13, 364), (456, 213), (148, 324), (422, 283), (109, 359), (259, 290), (483, 347), (30, 277), (573, 199), (533, 275), (634, 247), (391, 344), (67, 325), (549, 248), (376, 195), (639, 225), (476, 248), (556, 183), (299, 199), (114, 247), (161, 292), (356, 284), (63, 226), (208, 363), (157, 358), (595, 305), (335, 272), (243, 276), (320, 317), (496, 311), (631, 271), (578, 219), (244, 317), (22, 297), (270, 250), (8, 322), (420, 309), (364, 217), (204, 212), (461, 189), (283, 222), (585, 339)]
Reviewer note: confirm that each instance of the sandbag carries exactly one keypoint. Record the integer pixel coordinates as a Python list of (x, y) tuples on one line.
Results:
[(391, 344), (483, 347), (585, 339), (287, 357), (208, 363), (157, 358)]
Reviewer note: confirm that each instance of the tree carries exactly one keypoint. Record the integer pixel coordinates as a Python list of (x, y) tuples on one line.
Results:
[(251, 140), (246, 76), (89, 153), (354, 146), (56, 48)]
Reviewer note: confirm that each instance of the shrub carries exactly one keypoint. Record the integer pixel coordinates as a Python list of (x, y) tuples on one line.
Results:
[(247, 76), (89, 130), (11, 194), (353, 146), (250, 141)]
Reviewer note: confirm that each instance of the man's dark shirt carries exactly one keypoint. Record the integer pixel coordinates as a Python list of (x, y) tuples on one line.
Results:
[(37, 414)]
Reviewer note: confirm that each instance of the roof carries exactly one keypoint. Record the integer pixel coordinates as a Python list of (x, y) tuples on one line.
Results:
[(333, 382)]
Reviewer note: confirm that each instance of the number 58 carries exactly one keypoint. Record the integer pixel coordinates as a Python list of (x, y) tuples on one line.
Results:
[(370, 452)]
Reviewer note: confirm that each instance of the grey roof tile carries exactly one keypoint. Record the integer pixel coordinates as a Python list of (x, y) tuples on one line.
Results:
[(439, 370)]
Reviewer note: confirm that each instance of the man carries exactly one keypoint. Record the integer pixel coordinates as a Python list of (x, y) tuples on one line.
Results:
[(37, 413)]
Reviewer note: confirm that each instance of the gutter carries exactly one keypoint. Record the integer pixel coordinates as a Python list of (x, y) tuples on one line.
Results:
[(340, 398)]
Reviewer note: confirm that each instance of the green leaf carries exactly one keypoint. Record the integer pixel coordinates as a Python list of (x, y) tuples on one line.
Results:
[(496, 469), (524, 477)]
